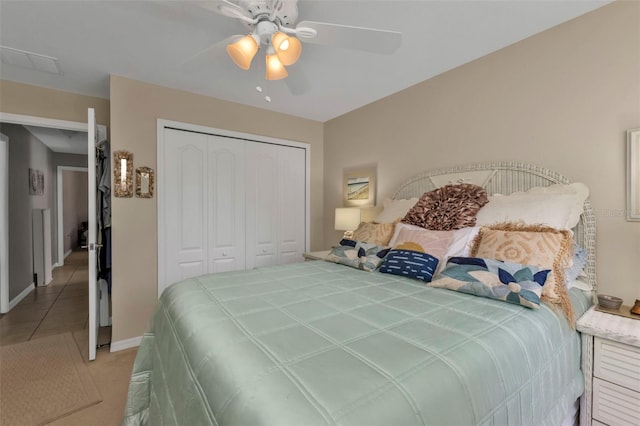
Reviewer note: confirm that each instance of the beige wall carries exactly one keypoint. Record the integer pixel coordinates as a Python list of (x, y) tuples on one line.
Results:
[(135, 108), (18, 98), (562, 99), (25, 152)]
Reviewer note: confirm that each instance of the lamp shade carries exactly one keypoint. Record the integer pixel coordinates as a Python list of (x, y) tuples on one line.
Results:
[(243, 51), (275, 69), (347, 218), (287, 48)]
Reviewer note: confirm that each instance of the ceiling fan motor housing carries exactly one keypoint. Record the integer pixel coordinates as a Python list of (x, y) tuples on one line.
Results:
[(286, 15), (265, 30)]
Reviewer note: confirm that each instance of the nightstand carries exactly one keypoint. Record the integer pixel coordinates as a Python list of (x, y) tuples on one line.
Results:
[(611, 367), (316, 255)]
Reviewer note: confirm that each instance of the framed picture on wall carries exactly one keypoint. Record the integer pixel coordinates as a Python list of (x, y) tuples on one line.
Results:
[(359, 187), (40, 183), (33, 182), (36, 182)]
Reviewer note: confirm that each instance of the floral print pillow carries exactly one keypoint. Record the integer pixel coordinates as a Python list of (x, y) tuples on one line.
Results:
[(509, 282), (358, 254)]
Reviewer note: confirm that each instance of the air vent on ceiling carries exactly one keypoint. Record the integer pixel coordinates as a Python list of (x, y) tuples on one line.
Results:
[(24, 59)]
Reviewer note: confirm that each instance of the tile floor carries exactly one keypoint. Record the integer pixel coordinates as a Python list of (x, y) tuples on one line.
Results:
[(61, 307)]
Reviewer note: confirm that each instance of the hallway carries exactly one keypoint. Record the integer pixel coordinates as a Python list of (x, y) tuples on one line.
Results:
[(62, 306)]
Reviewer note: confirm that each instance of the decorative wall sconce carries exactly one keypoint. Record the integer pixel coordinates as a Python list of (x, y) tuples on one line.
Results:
[(123, 173), (144, 182)]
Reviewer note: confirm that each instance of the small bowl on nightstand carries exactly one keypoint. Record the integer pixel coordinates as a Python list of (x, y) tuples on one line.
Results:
[(609, 302)]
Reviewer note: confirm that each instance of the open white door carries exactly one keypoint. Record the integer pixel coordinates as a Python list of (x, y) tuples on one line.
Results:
[(4, 224), (92, 139)]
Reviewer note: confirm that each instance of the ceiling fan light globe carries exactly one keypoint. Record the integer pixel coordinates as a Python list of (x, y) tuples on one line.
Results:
[(287, 48), (242, 51), (275, 68)]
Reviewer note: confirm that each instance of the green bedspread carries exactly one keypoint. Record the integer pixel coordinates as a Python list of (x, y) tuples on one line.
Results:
[(319, 343)]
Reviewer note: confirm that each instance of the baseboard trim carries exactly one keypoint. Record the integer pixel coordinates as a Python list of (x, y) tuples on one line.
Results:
[(121, 345), (22, 295), (67, 253)]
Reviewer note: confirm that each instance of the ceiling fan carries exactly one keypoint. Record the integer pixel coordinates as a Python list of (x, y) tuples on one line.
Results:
[(271, 26)]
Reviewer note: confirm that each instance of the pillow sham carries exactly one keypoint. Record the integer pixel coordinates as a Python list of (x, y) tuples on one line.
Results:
[(394, 209), (357, 254), (506, 281), (539, 246), (461, 241), (410, 263), (460, 245), (374, 233), (449, 207), (558, 206)]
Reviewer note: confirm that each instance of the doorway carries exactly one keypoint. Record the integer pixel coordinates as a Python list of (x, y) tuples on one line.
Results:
[(71, 195), (46, 295)]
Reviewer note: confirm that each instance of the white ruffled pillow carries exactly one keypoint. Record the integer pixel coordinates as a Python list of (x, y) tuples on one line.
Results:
[(558, 206), (394, 209)]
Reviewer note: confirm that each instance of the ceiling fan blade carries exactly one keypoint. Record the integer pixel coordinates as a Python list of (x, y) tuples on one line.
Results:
[(297, 82), (209, 55), (226, 8), (358, 38)]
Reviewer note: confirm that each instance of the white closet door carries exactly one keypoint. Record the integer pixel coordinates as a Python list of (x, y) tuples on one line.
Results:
[(291, 204), (185, 204), (226, 204), (261, 206)]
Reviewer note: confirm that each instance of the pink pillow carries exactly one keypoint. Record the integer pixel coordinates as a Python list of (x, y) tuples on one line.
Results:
[(434, 243)]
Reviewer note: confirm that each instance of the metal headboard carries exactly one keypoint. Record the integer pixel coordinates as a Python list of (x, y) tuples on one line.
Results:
[(505, 178)]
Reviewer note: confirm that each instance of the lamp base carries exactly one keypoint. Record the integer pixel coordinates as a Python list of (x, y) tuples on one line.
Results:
[(348, 235)]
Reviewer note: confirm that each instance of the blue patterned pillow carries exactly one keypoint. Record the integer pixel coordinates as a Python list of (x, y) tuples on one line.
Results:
[(579, 262), (358, 254), (410, 263), (495, 279)]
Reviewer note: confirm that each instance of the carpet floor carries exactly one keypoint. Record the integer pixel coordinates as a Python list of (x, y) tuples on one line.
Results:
[(42, 380)]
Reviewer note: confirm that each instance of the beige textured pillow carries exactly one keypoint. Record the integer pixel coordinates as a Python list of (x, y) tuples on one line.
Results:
[(374, 233), (531, 245), (449, 207)]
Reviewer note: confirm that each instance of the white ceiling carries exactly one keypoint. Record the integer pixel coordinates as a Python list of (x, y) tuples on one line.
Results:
[(150, 40), (67, 141)]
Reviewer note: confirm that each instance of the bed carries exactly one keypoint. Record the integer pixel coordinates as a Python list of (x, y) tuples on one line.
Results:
[(320, 343)]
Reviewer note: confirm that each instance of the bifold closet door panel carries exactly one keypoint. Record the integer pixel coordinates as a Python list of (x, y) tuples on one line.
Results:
[(291, 204), (261, 204), (226, 204), (229, 204), (185, 204)]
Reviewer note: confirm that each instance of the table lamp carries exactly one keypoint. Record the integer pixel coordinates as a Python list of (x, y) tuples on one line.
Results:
[(347, 220)]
